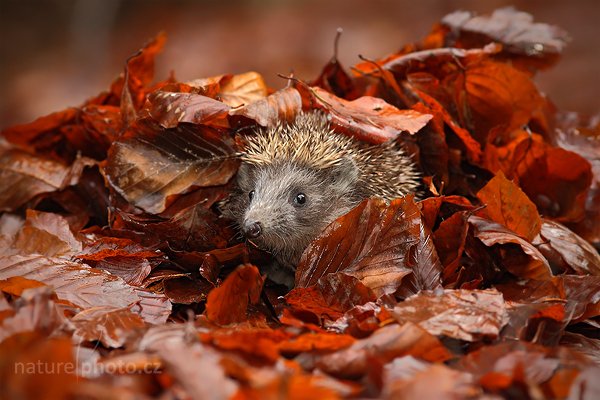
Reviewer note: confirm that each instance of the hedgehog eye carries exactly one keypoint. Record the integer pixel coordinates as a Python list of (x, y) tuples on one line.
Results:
[(251, 195), (300, 199)]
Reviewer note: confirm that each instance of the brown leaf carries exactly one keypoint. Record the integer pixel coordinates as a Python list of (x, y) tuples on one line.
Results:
[(227, 303), (572, 250), (28, 176), (509, 206), (316, 342), (491, 233), (38, 367), (17, 284), (170, 109), (385, 344), (469, 315), (76, 283), (47, 234), (154, 164), (186, 290), (372, 243), (435, 382), (278, 107), (369, 118), (138, 75), (193, 366), (109, 325), (243, 89), (36, 310), (258, 345), (514, 29), (310, 305)]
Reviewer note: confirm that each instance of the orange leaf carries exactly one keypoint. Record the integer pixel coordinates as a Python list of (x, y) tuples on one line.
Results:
[(228, 303), (509, 206)]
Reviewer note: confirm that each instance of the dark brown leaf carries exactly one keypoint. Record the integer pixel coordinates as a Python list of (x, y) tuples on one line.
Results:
[(490, 233), (372, 243), (154, 163), (572, 250)]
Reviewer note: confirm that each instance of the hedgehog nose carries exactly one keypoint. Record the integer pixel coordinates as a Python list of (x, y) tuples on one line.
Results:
[(253, 230)]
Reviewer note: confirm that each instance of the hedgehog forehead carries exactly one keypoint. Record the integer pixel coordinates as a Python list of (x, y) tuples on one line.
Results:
[(279, 178), (308, 141)]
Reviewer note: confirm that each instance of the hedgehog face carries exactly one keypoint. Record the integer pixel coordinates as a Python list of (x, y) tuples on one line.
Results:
[(287, 205)]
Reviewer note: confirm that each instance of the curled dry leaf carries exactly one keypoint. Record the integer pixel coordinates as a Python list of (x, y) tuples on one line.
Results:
[(468, 315), (575, 252), (491, 233), (227, 303), (243, 89), (153, 163), (509, 206), (368, 118)]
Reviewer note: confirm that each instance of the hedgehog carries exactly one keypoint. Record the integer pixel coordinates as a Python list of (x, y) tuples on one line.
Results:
[(295, 179)]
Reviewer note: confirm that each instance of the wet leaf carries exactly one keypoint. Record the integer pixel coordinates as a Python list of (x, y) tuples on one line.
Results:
[(170, 109), (28, 176), (278, 107), (385, 344)]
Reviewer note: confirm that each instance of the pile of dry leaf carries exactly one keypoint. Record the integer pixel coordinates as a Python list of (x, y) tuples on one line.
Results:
[(119, 279)]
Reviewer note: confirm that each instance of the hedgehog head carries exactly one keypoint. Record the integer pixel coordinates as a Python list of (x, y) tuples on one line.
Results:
[(294, 180)]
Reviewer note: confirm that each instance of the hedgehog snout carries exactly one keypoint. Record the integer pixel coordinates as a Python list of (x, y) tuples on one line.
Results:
[(252, 229)]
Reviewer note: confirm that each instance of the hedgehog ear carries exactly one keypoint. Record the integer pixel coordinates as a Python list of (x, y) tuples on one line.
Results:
[(345, 173)]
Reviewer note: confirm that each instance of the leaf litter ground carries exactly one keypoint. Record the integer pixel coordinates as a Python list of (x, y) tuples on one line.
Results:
[(120, 279)]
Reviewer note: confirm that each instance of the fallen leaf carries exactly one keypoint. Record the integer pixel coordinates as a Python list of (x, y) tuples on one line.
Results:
[(227, 303)]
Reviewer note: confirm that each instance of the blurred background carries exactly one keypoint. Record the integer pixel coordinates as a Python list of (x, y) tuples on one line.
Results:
[(56, 53)]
